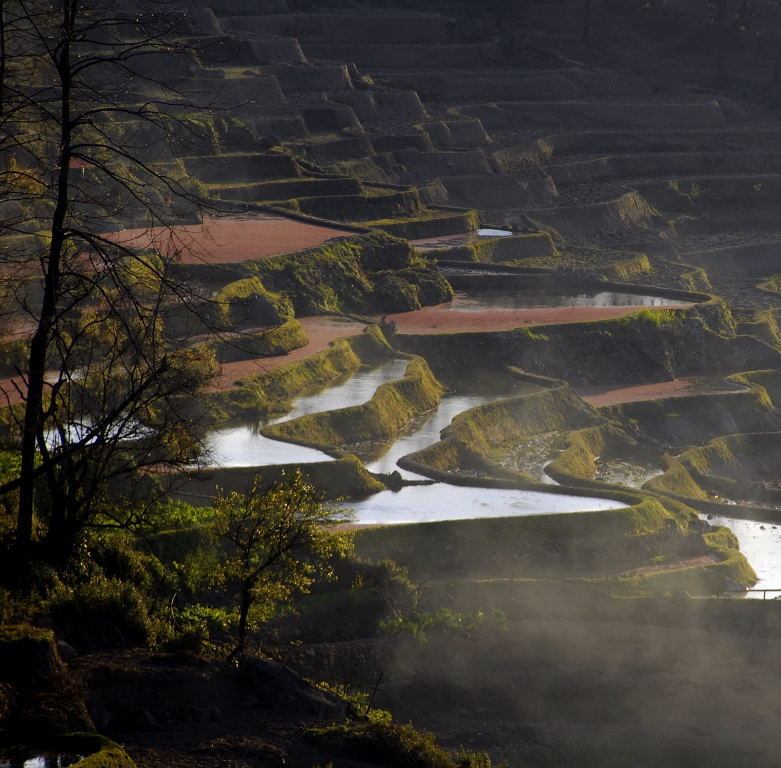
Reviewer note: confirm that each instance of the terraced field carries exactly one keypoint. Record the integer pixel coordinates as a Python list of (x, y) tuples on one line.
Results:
[(394, 183)]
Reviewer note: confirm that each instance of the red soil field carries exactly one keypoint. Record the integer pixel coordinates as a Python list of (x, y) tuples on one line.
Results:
[(614, 394), (321, 330), (223, 240), (447, 318)]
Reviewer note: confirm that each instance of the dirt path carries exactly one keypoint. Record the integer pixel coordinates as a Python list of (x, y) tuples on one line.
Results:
[(223, 240)]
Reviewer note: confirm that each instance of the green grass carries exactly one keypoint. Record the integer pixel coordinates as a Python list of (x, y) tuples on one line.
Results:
[(392, 407)]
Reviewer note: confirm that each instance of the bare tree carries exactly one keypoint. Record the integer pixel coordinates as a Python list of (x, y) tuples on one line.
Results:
[(92, 101)]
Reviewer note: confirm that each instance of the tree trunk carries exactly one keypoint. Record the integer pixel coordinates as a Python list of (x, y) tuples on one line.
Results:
[(33, 412), (246, 601)]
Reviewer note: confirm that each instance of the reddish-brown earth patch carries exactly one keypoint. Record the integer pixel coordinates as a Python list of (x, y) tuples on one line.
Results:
[(614, 394), (691, 562), (223, 240), (321, 331), (447, 318)]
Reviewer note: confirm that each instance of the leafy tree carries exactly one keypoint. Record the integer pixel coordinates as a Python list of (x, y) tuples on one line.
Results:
[(87, 135), (280, 540)]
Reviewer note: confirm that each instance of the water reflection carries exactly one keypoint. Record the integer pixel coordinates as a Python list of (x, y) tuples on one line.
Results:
[(429, 503), (427, 432), (761, 544), (40, 761), (357, 389), (244, 446), (488, 301)]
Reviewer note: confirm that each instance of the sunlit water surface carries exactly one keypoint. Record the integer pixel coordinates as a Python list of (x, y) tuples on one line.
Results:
[(429, 503), (41, 761), (761, 544), (244, 446), (487, 301), (427, 431)]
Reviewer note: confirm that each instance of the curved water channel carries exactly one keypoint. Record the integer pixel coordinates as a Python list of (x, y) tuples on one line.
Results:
[(244, 446)]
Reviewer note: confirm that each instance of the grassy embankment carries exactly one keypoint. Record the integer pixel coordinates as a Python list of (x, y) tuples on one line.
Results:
[(262, 395), (392, 408), (649, 530), (648, 345)]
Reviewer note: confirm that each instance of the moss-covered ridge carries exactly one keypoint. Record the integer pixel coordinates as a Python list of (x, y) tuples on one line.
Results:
[(483, 435), (537, 246), (278, 340), (261, 395), (392, 408), (369, 273), (648, 345), (342, 478), (537, 544), (739, 467), (681, 421)]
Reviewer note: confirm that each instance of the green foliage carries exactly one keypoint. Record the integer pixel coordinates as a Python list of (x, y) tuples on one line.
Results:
[(101, 613), (101, 752), (390, 409), (444, 621), (389, 744), (279, 540), (359, 701)]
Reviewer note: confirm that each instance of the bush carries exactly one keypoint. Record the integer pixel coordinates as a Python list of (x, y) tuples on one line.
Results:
[(400, 746), (101, 613)]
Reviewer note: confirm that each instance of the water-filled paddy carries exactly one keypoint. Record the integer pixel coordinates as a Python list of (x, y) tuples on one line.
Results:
[(244, 446), (496, 301), (761, 544), (427, 432), (429, 503)]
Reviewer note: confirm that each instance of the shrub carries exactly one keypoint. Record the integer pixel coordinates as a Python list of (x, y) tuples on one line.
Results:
[(400, 746)]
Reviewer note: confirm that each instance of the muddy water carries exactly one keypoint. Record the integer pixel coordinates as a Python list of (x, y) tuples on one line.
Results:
[(429, 503), (244, 446), (761, 544), (427, 432)]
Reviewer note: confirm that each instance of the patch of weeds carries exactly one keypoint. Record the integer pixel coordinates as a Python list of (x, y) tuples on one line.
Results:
[(400, 746), (444, 621)]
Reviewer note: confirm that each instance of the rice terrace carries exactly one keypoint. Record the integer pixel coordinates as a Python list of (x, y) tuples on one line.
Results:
[(390, 383)]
